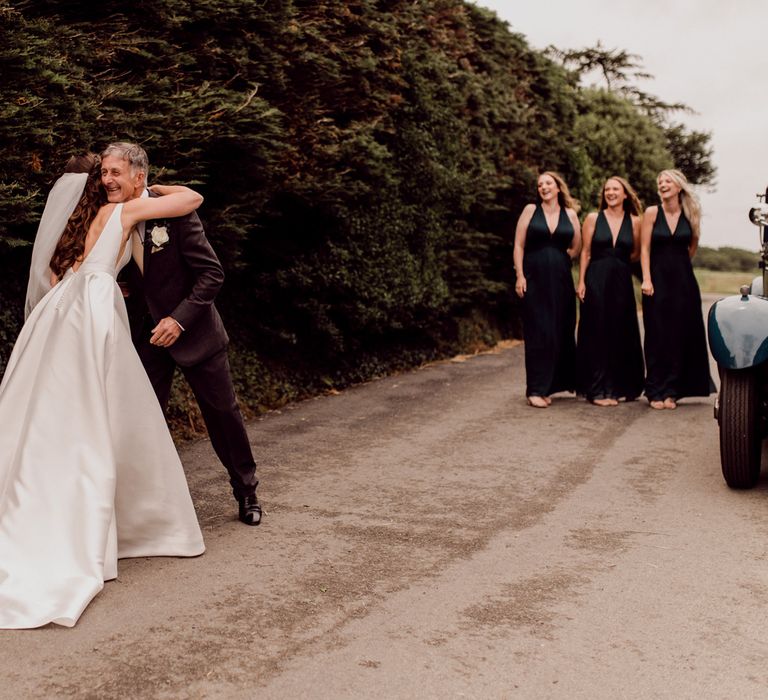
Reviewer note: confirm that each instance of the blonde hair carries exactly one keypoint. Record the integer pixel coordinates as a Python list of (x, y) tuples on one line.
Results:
[(689, 202), (631, 203), (564, 198)]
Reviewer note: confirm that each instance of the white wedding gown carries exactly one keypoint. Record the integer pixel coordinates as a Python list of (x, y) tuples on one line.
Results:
[(88, 471)]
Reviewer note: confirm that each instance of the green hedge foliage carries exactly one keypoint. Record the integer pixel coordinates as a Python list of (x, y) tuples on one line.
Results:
[(363, 162)]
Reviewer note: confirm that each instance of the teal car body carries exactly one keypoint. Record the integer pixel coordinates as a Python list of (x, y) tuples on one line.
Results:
[(738, 331)]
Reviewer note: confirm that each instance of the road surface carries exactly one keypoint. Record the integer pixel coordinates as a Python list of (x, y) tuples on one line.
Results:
[(429, 535)]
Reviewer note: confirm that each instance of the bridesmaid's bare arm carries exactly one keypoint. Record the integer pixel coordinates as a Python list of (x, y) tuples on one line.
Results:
[(519, 250), (586, 253), (646, 228), (575, 247), (694, 246), (636, 220)]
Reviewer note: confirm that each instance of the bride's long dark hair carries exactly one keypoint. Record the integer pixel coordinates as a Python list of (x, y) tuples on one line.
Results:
[(71, 244)]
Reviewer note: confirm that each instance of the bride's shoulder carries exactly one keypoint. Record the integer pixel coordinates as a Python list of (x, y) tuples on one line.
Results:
[(106, 210), (102, 217)]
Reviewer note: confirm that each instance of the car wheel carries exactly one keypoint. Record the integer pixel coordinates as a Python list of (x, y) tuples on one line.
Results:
[(740, 436)]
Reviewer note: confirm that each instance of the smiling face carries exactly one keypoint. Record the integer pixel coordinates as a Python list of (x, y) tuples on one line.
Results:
[(547, 188), (614, 193), (668, 188), (120, 181)]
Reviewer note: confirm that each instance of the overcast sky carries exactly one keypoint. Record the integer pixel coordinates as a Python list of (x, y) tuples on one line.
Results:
[(710, 54)]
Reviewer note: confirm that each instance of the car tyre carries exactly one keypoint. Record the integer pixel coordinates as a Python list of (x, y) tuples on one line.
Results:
[(740, 434)]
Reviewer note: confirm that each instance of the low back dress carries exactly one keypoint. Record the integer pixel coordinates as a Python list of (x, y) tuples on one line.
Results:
[(88, 470)]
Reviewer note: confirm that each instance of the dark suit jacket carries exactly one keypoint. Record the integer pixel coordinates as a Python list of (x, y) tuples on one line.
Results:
[(181, 280)]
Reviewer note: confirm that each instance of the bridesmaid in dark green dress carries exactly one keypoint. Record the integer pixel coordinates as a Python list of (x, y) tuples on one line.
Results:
[(609, 357), (675, 343), (547, 238)]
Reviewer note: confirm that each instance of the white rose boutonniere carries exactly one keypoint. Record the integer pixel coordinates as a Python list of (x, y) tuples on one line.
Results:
[(159, 237)]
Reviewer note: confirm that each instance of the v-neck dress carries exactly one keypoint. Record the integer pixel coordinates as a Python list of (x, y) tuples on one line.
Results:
[(676, 358), (549, 306), (609, 356)]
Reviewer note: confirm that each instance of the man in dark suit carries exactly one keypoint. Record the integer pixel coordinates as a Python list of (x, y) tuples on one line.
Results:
[(178, 275)]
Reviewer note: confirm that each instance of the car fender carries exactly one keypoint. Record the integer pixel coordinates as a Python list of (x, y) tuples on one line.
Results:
[(738, 331)]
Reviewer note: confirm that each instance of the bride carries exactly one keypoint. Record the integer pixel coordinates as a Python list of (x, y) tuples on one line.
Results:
[(88, 471)]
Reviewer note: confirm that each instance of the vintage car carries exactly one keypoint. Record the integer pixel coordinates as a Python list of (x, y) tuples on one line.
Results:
[(738, 339)]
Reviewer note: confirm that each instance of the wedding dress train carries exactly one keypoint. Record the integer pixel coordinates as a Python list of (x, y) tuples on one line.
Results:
[(88, 470)]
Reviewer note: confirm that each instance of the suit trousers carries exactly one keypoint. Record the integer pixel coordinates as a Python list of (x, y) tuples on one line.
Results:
[(211, 383)]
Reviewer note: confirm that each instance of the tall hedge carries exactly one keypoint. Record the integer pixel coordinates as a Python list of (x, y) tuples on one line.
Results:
[(363, 161)]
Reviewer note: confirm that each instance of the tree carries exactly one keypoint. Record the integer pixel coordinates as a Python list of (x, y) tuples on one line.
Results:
[(616, 139), (690, 151)]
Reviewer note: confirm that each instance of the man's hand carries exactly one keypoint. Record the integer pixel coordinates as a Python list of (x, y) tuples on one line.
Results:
[(165, 333)]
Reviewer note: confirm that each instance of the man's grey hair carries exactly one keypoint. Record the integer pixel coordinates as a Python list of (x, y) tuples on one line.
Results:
[(132, 152)]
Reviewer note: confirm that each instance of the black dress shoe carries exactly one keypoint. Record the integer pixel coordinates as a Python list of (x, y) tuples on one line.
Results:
[(250, 510)]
